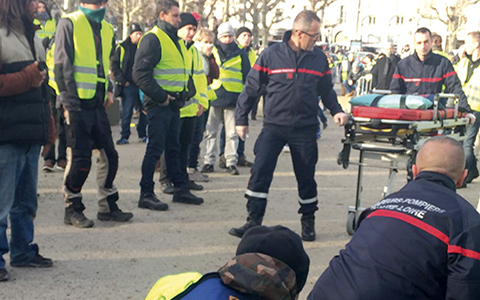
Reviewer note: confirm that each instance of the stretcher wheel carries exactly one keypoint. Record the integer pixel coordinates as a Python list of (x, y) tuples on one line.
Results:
[(351, 226)]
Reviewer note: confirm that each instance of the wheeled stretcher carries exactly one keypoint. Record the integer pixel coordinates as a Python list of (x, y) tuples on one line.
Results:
[(391, 137)]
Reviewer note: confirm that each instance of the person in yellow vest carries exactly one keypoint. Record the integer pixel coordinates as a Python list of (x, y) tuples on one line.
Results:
[(84, 43), (234, 67), (270, 263), (469, 73), (44, 19), (345, 69), (437, 45), (193, 107), (244, 40), (204, 43), (160, 71)]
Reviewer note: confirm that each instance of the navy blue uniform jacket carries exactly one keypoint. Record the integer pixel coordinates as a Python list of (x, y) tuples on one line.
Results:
[(422, 242), (413, 76), (293, 85)]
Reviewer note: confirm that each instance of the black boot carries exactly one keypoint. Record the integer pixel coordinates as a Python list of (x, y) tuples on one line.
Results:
[(183, 195), (115, 214), (308, 228), (76, 218), (256, 211)]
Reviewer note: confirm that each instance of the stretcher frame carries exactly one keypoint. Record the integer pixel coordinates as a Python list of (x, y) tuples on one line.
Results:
[(394, 152)]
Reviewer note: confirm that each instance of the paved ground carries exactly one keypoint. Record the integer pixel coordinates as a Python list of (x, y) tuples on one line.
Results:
[(123, 261)]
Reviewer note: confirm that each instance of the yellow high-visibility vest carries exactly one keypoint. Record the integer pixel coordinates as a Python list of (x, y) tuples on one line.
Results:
[(47, 30), (169, 73), (471, 88), (194, 64), (169, 286), (51, 65), (85, 59), (231, 77)]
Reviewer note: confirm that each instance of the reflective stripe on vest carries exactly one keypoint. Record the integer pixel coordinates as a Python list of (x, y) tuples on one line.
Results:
[(85, 59), (47, 30), (190, 109), (230, 74), (51, 65), (169, 73), (472, 87)]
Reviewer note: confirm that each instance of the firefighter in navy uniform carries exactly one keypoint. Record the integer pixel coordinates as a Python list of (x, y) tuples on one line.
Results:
[(422, 242), (295, 74), (425, 72), (159, 71), (84, 43)]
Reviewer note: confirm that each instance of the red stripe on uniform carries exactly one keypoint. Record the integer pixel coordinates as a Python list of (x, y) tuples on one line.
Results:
[(464, 252), (413, 221), (427, 228), (260, 69), (307, 71), (428, 79), (280, 71)]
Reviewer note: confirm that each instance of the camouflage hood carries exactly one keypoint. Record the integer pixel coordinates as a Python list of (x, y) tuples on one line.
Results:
[(260, 275)]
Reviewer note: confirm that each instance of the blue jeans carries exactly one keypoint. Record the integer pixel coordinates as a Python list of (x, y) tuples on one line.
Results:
[(468, 143), (163, 135), (18, 198), (240, 148), (130, 97), (349, 88)]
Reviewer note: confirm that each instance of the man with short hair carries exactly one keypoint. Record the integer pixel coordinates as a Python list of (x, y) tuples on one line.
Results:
[(295, 74), (422, 242), (425, 72), (160, 72), (469, 74), (122, 64), (84, 44)]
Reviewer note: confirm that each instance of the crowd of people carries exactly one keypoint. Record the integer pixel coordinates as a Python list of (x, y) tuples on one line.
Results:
[(190, 84)]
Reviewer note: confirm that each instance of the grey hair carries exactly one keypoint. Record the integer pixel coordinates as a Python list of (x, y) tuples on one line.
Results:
[(304, 20)]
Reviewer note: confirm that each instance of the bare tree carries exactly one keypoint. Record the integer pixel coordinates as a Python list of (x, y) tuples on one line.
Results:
[(453, 17), (125, 12), (319, 6), (269, 6)]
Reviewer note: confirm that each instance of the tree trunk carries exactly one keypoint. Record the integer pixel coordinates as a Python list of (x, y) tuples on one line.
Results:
[(125, 19), (264, 23), (256, 29)]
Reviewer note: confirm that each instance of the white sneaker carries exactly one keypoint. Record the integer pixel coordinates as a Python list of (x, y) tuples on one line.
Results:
[(286, 149), (197, 176)]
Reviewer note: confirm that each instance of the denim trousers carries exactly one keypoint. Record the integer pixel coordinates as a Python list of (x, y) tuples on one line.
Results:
[(18, 198), (130, 97), (163, 135), (469, 142)]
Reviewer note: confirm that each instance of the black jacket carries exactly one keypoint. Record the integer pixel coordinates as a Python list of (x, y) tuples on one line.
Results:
[(24, 110), (148, 55), (422, 242), (122, 69), (293, 85), (383, 71), (226, 52), (413, 76)]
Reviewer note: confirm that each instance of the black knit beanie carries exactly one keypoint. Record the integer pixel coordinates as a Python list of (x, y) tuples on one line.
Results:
[(281, 243), (187, 19)]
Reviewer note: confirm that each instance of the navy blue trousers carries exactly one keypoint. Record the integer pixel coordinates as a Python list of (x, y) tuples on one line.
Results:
[(304, 152)]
